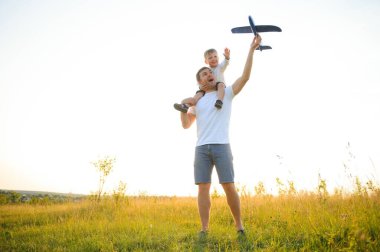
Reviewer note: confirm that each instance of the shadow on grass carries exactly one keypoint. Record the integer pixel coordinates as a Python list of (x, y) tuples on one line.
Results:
[(244, 243), (206, 243), (201, 242)]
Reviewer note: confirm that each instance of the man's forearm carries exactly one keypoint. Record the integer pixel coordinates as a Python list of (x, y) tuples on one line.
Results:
[(248, 66), (240, 82), (186, 120)]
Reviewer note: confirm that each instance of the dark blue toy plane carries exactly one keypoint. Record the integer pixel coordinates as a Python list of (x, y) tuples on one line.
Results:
[(252, 28)]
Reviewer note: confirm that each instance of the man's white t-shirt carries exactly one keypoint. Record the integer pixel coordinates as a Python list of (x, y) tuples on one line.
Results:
[(212, 123)]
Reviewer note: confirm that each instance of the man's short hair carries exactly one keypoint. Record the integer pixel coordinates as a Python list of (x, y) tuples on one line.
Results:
[(199, 72)]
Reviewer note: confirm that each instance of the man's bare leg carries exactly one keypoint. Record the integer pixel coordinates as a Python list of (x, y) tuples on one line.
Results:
[(234, 204), (204, 204)]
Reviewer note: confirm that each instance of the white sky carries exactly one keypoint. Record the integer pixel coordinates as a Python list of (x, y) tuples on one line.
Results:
[(84, 79)]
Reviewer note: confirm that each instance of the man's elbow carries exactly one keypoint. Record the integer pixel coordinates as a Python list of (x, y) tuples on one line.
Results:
[(244, 79)]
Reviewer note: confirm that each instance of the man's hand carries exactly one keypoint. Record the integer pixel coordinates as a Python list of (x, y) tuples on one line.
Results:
[(256, 42), (207, 86)]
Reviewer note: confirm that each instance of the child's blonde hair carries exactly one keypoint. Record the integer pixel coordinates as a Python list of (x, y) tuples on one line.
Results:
[(209, 51)]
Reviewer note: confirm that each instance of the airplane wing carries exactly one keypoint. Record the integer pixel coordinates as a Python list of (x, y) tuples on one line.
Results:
[(243, 29), (259, 28), (263, 47), (268, 28)]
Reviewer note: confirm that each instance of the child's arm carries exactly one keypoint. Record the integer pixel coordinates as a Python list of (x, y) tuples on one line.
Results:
[(226, 60)]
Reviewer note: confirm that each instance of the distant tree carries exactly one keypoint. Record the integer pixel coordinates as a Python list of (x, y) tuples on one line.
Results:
[(104, 167), (3, 199), (14, 197)]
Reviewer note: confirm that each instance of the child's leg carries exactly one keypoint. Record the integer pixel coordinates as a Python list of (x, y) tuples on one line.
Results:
[(185, 104), (220, 94), (198, 96), (188, 102), (220, 89), (192, 101)]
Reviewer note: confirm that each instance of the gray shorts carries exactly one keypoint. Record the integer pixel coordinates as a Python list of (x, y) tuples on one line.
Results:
[(210, 155)]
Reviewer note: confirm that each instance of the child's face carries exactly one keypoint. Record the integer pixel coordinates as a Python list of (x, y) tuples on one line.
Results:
[(212, 59)]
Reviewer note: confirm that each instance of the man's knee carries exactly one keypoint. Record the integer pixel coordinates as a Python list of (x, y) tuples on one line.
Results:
[(204, 186), (229, 188)]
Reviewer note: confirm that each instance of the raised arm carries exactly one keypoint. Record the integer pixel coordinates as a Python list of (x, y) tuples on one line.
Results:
[(241, 81), (226, 60)]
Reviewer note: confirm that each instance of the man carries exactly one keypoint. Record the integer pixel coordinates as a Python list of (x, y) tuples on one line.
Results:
[(213, 148)]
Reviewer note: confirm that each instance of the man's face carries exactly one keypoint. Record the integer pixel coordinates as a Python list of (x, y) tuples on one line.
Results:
[(207, 79)]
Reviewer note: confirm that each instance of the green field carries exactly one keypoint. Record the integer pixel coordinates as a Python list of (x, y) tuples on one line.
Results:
[(298, 222)]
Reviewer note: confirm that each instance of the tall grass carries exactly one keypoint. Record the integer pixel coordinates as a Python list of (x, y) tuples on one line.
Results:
[(304, 222)]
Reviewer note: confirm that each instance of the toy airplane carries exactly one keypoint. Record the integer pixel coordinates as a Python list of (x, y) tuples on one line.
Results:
[(252, 28)]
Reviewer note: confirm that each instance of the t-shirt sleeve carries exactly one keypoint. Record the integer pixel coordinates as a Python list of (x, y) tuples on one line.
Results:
[(229, 93)]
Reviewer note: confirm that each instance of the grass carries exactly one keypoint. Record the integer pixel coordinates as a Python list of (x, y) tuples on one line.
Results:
[(302, 222)]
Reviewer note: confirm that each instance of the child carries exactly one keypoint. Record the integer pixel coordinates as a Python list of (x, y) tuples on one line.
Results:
[(212, 59)]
